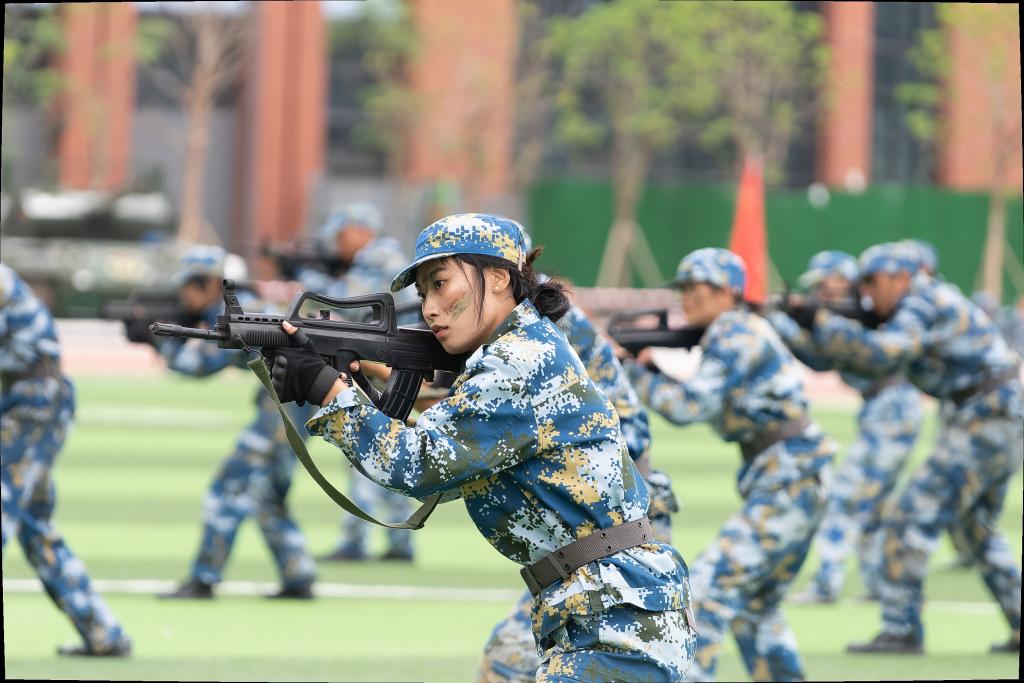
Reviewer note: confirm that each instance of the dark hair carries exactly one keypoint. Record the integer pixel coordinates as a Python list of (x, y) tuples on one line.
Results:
[(550, 297)]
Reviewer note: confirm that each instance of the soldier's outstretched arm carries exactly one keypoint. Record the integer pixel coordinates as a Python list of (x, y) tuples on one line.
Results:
[(882, 351), (799, 342), (485, 426), (195, 357), (698, 399)]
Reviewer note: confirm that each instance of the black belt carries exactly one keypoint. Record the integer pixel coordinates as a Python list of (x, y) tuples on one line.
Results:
[(985, 386), (881, 385), (560, 564), (773, 435), (46, 366)]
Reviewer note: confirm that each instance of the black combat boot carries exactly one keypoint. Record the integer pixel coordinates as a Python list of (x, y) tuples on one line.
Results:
[(304, 592), (193, 589), (888, 643), (1011, 646), (122, 648)]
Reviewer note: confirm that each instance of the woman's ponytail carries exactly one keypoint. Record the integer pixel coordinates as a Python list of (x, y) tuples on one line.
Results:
[(550, 297)]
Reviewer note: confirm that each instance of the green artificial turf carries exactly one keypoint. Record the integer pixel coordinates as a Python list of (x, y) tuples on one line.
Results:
[(130, 484)]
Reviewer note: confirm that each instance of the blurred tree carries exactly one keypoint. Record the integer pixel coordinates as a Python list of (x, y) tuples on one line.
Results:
[(994, 32), (387, 36), (768, 60), (32, 37), (644, 64), (206, 49)]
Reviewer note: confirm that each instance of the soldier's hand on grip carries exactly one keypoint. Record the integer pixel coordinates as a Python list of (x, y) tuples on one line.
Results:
[(299, 374)]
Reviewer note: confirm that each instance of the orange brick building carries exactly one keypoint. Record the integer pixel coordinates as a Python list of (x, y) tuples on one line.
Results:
[(464, 70)]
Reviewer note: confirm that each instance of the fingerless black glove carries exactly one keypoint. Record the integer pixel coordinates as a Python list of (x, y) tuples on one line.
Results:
[(299, 374), (137, 331)]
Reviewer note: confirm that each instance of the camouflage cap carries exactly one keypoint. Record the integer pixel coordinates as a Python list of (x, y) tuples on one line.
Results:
[(357, 213), (200, 260), (718, 267), (889, 257), (466, 233), (928, 255), (827, 264)]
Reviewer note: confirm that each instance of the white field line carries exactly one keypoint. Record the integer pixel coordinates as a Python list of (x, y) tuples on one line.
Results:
[(323, 590), (152, 416), (386, 592)]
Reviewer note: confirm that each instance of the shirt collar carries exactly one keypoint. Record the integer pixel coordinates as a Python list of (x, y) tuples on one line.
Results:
[(523, 314)]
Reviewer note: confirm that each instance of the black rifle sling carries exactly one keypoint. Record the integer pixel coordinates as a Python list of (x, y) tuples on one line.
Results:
[(416, 520)]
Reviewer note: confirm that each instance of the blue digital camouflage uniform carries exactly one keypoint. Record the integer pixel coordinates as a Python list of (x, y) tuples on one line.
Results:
[(747, 382), (255, 478), (510, 654), (944, 345), (371, 272), (888, 424), (37, 404), (534, 449)]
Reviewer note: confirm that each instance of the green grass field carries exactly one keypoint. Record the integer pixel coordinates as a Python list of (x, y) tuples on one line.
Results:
[(130, 485)]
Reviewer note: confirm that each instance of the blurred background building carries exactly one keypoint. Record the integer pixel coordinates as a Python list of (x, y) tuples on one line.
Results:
[(251, 120)]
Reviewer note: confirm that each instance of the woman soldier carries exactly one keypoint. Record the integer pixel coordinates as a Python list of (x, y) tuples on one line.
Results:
[(748, 388), (510, 654), (533, 448)]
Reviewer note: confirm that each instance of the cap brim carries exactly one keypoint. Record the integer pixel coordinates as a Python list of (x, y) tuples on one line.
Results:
[(407, 276)]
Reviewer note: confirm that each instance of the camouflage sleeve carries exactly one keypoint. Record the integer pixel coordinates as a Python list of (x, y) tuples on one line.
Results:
[(195, 357), (875, 352), (799, 341), (698, 399), (486, 425), (608, 374), (24, 323)]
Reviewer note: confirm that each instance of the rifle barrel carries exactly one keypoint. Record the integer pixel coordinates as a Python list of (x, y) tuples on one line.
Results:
[(167, 329)]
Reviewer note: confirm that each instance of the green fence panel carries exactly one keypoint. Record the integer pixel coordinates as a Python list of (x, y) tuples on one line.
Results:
[(571, 218)]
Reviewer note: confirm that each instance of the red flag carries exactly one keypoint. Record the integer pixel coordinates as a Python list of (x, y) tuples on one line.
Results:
[(748, 231)]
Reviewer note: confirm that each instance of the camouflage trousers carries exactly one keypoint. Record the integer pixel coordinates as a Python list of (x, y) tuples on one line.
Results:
[(254, 480), (33, 427), (888, 425), (739, 581), (382, 503), (963, 482), (510, 654), (622, 643)]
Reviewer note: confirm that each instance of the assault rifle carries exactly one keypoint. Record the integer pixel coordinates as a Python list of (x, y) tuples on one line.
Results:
[(142, 309), (290, 259), (412, 354), (623, 329), (804, 311)]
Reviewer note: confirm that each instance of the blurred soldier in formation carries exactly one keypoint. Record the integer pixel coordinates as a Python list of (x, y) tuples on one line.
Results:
[(950, 350), (748, 388), (510, 654), (887, 427), (255, 478), (37, 403), (353, 233)]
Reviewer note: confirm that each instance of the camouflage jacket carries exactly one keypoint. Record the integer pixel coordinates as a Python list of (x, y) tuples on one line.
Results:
[(533, 448), (607, 372), (747, 381), (941, 341), (28, 335)]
